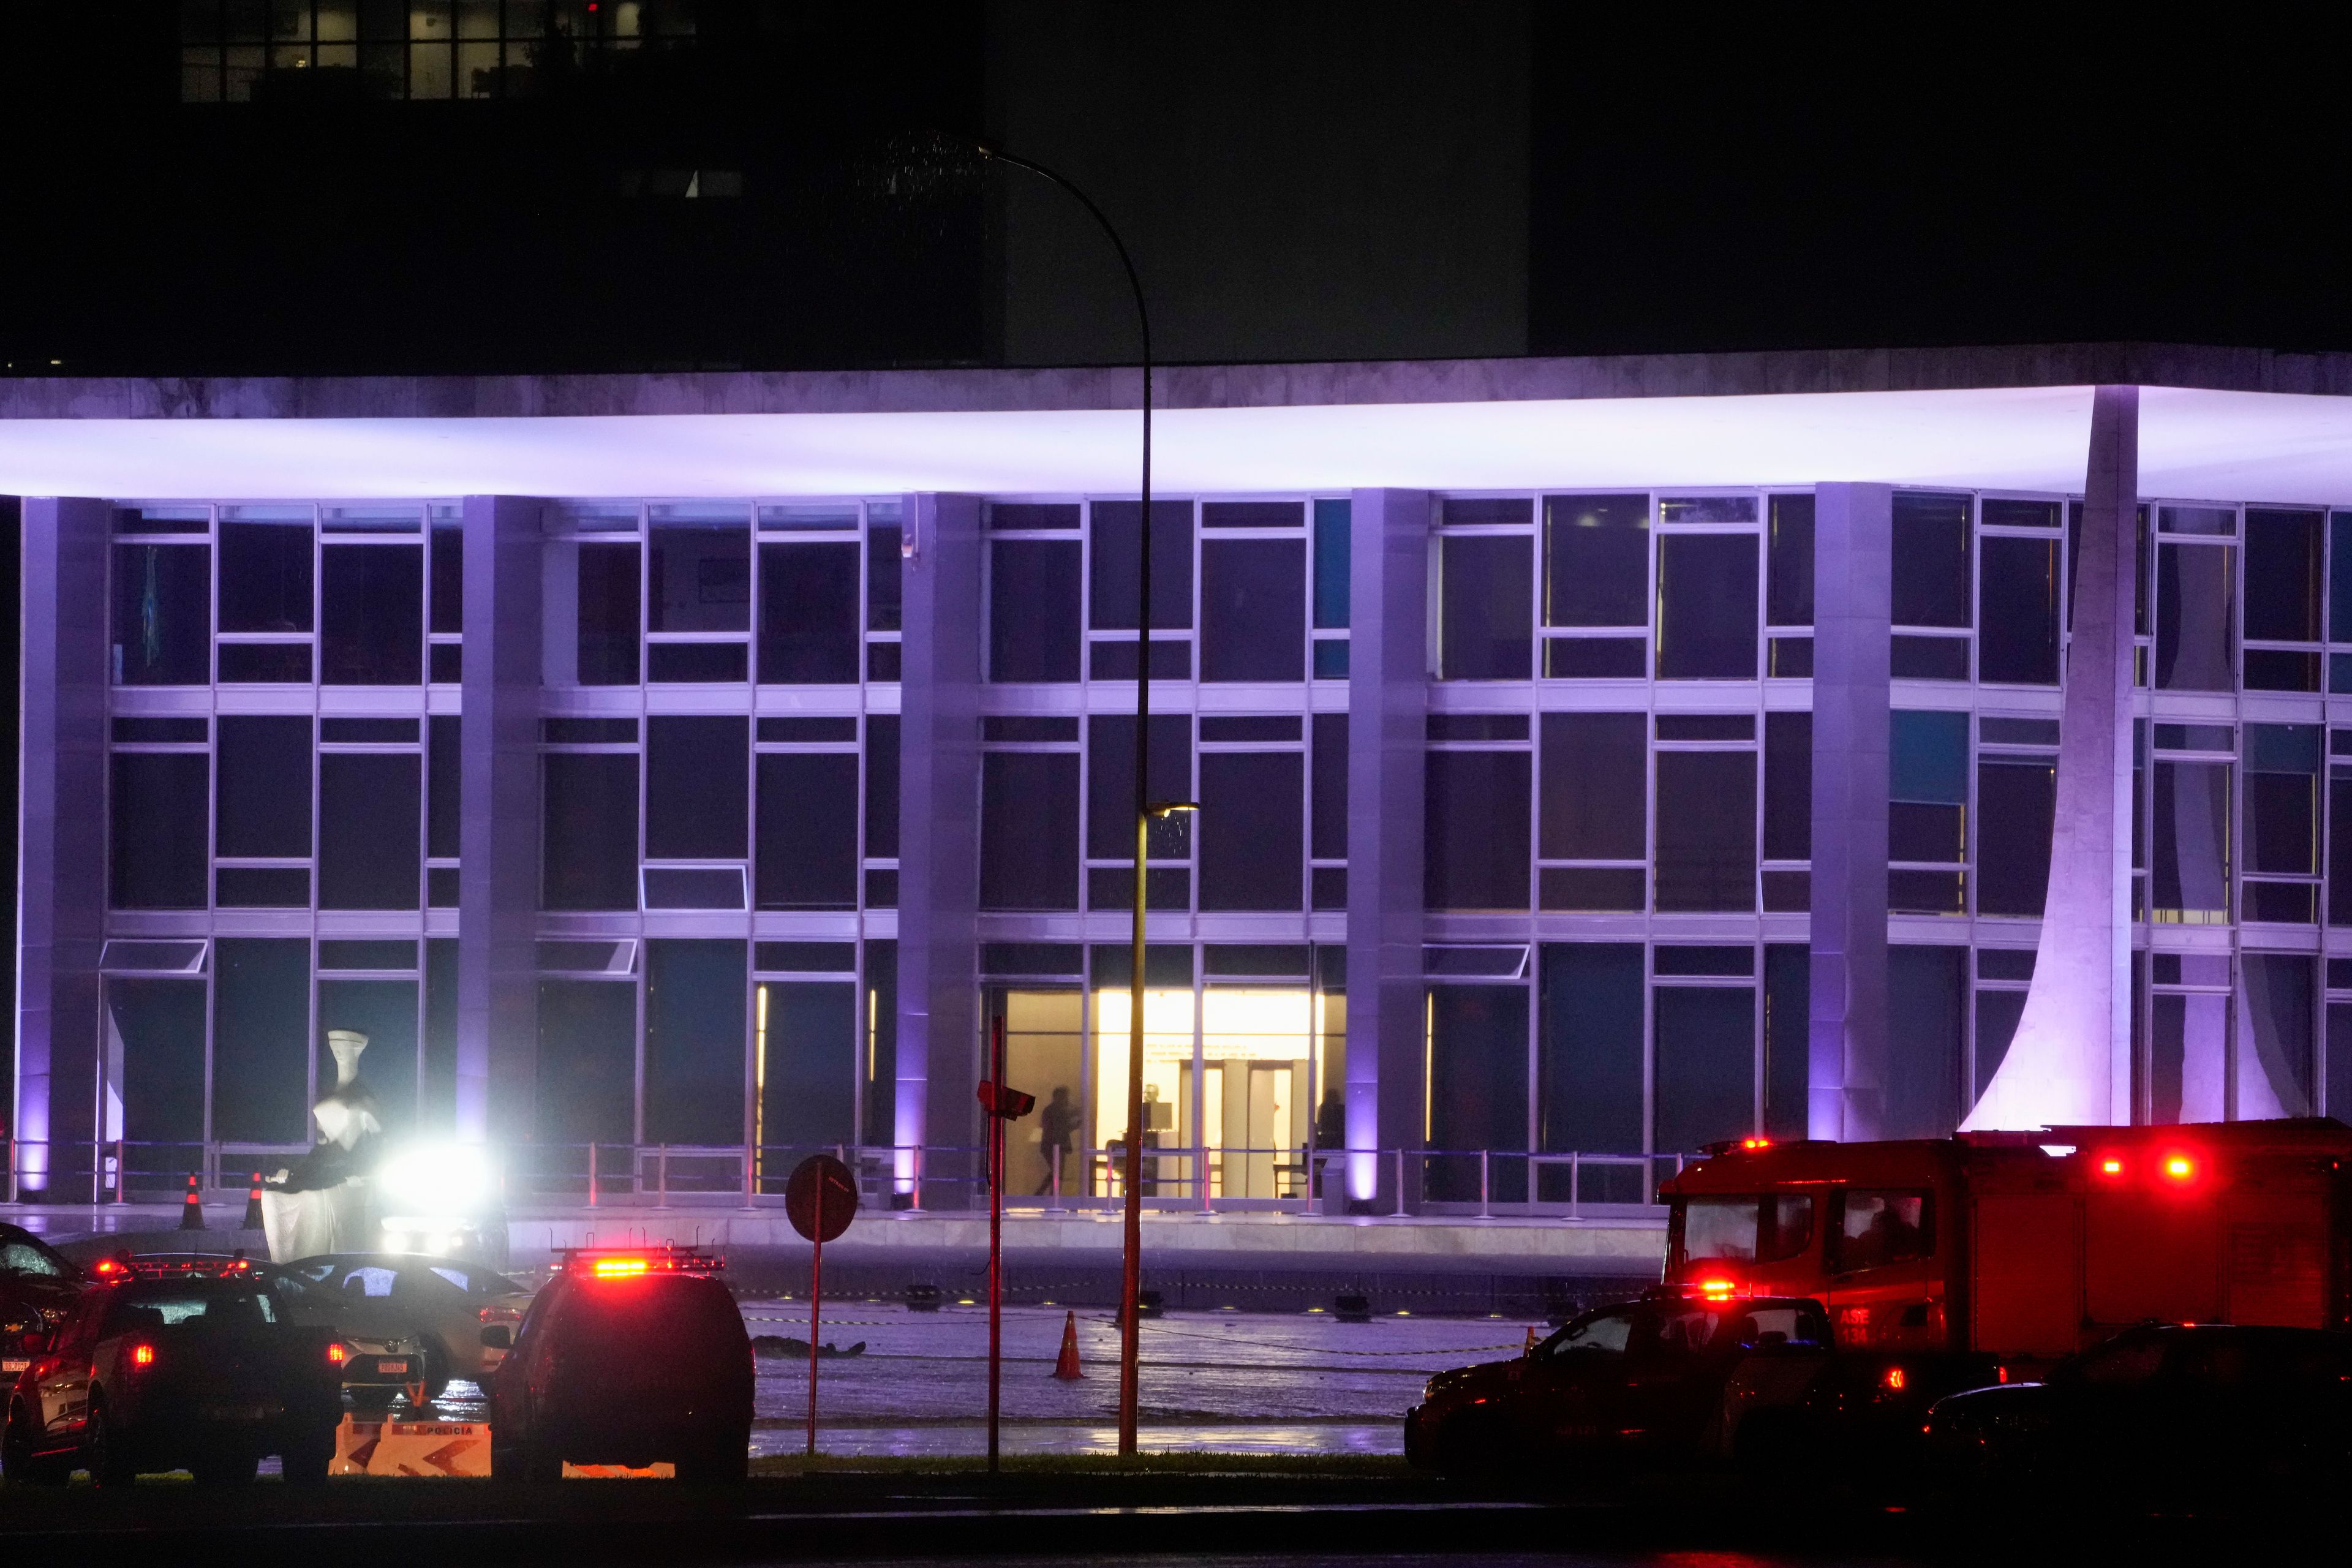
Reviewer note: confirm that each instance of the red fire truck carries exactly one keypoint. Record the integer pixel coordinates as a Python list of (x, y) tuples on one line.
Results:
[(2027, 1246)]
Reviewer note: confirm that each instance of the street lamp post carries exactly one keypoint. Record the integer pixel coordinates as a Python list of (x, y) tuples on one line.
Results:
[(1146, 811)]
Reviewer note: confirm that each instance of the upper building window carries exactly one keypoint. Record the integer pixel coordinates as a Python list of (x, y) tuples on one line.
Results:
[(241, 51)]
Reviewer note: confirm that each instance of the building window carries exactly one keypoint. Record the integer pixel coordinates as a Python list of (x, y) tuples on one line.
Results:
[(1705, 835), (1253, 822), (1253, 609), (338, 51), (163, 614), (1478, 839), (1476, 1077), (1110, 812), (808, 857), (694, 1033), (809, 621), (1706, 607), (2282, 580), (1928, 813), (1484, 603), (1592, 1055), (2196, 600), (2281, 831), (1596, 561), (1595, 811), (1032, 609), (590, 853), (1334, 590), (1029, 826), (371, 615), (1115, 563)]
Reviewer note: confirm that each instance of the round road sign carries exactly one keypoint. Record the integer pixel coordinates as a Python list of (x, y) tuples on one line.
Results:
[(821, 1198)]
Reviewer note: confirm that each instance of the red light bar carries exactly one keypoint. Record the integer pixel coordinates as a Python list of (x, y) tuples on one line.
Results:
[(2180, 1168), (634, 1262), (2111, 1166), (1717, 1289), (1751, 1145)]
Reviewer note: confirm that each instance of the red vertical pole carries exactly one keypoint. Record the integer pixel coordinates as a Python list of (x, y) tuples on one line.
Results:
[(816, 1308), (995, 1234)]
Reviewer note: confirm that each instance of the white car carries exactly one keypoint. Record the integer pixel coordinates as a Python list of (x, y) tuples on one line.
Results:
[(442, 1304)]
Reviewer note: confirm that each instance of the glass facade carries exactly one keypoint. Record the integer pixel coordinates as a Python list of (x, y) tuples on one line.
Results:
[(1616, 841)]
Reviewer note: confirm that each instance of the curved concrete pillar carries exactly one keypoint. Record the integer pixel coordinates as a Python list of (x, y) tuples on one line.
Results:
[(2069, 1063)]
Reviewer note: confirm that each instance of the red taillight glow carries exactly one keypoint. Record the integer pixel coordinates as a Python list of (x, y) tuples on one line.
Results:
[(2111, 1167), (107, 1266), (2000, 1373), (619, 1268), (2180, 1168), (1892, 1379), (143, 1355), (338, 1355)]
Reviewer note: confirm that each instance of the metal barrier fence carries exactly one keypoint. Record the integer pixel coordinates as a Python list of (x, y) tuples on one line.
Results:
[(1462, 1182)]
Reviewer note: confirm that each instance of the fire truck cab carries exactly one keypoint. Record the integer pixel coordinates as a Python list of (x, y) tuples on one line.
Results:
[(2029, 1246)]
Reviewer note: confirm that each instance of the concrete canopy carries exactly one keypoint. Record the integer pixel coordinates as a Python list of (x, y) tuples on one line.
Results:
[(2223, 425)]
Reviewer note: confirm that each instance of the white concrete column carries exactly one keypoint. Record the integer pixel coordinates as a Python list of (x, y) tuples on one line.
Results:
[(2070, 1061)]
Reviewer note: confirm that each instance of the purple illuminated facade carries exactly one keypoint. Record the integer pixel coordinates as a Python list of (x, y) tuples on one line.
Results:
[(1598, 758)]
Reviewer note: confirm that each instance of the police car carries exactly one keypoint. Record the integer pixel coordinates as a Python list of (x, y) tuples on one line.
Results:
[(635, 1357)]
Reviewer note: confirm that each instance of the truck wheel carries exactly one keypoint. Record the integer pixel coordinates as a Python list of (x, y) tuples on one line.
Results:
[(102, 1451), (308, 1458), (18, 1463)]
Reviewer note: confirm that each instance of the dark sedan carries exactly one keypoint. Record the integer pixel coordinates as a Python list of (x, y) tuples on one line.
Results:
[(2163, 1415), (1667, 1378), (37, 1288)]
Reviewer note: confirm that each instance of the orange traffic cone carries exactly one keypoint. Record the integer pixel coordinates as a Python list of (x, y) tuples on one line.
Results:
[(253, 1204), (192, 1207), (1066, 1366)]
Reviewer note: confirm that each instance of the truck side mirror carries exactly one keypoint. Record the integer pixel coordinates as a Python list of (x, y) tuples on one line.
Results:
[(497, 1337)]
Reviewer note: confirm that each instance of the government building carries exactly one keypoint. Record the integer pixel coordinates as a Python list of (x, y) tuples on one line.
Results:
[(673, 775)]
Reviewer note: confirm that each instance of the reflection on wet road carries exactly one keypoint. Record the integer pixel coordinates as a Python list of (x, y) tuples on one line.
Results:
[(1224, 1382)]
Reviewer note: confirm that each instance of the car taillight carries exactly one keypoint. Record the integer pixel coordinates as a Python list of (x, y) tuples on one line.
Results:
[(2179, 1168), (501, 1314), (338, 1355), (143, 1355), (1892, 1380)]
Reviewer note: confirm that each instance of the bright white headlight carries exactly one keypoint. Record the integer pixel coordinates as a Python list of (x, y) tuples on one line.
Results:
[(437, 1179)]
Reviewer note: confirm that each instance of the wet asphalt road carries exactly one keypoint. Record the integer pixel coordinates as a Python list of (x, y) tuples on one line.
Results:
[(1222, 1381)]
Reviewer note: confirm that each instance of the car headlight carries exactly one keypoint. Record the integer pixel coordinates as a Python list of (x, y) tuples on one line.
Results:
[(435, 1179)]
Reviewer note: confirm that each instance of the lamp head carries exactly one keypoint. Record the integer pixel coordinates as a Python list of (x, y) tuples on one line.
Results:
[(1167, 808)]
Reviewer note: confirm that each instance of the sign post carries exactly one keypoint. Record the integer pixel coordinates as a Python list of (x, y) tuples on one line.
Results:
[(1003, 1105), (820, 1200)]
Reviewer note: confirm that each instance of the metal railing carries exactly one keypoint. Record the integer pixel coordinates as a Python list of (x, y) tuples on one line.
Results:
[(1293, 1179)]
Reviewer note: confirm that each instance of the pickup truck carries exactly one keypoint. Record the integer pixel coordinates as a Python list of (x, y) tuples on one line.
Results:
[(175, 1372)]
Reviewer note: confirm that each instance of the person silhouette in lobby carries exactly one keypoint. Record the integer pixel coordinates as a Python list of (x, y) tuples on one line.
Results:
[(1056, 1126)]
